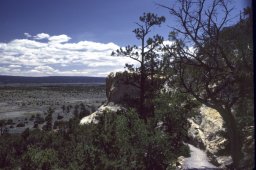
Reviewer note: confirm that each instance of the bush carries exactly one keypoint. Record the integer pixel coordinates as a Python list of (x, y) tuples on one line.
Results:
[(39, 119), (119, 140), (36, 158), (35, 125), (58, 124), (20, 124), (32, 117), (9, 122), (59, 117), (25, 133), (84, 112), (126, 141)]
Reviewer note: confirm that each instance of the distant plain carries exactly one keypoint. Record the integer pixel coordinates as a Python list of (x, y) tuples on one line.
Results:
[(20, 102)]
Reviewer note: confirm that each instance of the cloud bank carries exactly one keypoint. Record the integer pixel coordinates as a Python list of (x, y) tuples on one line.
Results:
[(46, 55)]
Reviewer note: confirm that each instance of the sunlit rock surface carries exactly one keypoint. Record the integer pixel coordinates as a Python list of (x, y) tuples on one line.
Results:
[(206, 130), (92, 117), (205, 133)]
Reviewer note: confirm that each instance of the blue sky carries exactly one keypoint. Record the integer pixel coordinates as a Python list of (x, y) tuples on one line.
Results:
[(72, 37), (93, 20)]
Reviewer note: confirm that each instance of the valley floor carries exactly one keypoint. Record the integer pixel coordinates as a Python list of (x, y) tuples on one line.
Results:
[(19, 103)]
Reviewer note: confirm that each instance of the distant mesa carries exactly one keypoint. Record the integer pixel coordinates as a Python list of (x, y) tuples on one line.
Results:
[(4, 79)]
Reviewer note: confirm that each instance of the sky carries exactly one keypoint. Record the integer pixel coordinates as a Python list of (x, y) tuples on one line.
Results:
[(73, 37)]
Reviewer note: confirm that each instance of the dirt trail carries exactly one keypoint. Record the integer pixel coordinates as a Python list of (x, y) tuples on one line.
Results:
[(198, 160)]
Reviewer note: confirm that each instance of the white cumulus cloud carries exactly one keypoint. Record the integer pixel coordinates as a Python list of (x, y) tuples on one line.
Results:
[(41, 36), (27, 35), (59, 38), (14, 66), (57, 56)]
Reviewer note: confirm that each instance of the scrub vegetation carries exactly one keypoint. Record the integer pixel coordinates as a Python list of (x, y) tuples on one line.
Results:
[(205, 64)]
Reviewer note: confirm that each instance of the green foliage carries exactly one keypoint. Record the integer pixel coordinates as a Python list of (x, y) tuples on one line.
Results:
[(83, 111), (36, 158), (59, 117), (20, 124), (48, 119), (3, 129), (172, 109), (148, 58), (5, 156), (218, 71), (25, 134), (9, 122), (124, 140), (119, 141), (38, 119)]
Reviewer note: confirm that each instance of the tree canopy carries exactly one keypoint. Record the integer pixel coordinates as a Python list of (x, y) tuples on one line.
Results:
[(212, 64)]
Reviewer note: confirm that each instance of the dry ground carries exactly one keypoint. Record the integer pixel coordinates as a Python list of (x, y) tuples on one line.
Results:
[(20, 102)]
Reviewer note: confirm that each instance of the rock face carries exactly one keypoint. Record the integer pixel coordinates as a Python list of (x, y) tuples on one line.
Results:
[(206, 133), (121, 88), (92, 117)]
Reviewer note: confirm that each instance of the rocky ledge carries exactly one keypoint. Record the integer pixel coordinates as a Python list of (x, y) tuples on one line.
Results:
[(92, 117), (207, 133)]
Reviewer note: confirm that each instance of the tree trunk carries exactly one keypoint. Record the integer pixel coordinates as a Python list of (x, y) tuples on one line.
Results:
[(142, 80), (142, 95), (234, 135)]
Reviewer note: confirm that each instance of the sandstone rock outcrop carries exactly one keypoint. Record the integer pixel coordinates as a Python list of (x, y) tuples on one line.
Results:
[(207, 130), (121, 88), (206, 133), (92, 117)]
